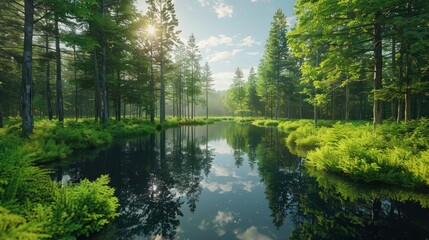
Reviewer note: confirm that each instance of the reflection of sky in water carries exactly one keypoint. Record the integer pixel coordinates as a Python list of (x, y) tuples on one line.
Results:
[(232, 204)]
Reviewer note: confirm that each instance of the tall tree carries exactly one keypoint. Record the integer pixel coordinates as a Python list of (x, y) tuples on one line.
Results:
[(162, 16), (194, 69), (277, 53), (27, 69), (208, 84), (254, 101), (238, 91)]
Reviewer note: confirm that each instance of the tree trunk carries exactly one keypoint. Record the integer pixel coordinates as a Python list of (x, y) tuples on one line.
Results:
[(315, 109), (408, 92), (207, 101), (97, 98), (76, 110), (378, 65), (104, 90), (48, 79), (347, 111), (27, 69), (152, 86), (59, 84), (118, 100), (192, 90)]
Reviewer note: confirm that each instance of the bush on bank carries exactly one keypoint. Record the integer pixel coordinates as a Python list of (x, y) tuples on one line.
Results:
[(395, 154)]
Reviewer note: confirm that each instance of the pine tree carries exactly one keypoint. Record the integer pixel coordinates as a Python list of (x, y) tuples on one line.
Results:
[(162, 16), (238, 91), (254, 102), (207, 84)]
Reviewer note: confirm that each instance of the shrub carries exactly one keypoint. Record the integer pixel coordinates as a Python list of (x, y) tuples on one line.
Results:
[(81, 209), (13, 226)]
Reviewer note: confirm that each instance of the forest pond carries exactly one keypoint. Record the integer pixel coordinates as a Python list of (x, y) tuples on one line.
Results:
[(238, 181)]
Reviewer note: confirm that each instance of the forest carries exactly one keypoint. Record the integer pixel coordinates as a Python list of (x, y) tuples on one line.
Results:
[(348, 83)]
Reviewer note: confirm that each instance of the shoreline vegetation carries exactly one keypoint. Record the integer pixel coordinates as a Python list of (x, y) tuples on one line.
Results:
[(395, 154), (32, 206)]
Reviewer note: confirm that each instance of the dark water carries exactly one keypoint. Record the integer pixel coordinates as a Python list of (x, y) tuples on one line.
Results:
[(232, 181)]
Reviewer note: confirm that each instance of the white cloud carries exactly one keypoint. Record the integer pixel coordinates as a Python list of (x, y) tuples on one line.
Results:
[(203, 3), (214, 41), (252, 53), (252, 233), (214, 186), (220, 171), (223, 10), (248, 186), (222, 218), (219, 56), (203, 225), (247, 41)]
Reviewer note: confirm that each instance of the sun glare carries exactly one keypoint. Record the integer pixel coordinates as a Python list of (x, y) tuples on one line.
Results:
[(151, 30)]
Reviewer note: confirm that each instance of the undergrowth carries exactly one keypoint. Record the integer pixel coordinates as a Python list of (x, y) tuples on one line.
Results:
[(395, 154)]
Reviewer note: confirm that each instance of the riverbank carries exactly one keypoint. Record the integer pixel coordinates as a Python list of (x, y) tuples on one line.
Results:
[(32, 206), (396, 154)]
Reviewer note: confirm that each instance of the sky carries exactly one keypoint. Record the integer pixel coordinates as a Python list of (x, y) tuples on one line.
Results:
[(229, 33)]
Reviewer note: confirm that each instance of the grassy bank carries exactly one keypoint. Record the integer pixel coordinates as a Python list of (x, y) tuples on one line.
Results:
[(32, 206), (396, 154)]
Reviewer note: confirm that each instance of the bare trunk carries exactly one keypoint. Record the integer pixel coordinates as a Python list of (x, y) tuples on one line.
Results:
[(408, 92), (59, 83), (192, 92), (118, 100), (347, 111), (104, 90), (27, 69), (97, 98), (48, 80), (207, 101), (378, 56), (76, 110), (152, 86)]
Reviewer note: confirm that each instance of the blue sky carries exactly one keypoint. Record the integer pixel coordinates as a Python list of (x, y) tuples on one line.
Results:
[(230, 33)]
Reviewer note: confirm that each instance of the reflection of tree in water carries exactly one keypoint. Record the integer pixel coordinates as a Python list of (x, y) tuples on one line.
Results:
[(152, 179), (160, 209), (330, 209), (280, 171), (335, 209), (178, 175), (243, 139)]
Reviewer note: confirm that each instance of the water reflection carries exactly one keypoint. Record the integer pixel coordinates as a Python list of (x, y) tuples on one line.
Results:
[(234, 181)]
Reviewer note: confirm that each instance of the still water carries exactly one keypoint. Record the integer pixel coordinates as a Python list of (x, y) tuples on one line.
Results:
[(234, 181)]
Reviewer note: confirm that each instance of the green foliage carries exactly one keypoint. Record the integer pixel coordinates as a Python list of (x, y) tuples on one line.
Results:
[(78, 210), (396, 154), (13, 226), (244, 120)]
